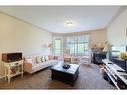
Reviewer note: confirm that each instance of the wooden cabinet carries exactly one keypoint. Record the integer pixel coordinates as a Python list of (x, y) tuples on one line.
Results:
[(98, 56), (13, 69)]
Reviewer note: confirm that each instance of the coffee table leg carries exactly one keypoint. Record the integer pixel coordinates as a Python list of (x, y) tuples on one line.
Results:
[(52, 78), (72, 84)]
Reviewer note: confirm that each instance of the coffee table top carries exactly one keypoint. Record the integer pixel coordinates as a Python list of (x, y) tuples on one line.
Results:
[(73, 68)]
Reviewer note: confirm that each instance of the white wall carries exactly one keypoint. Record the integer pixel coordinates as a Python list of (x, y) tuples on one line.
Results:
[(18, 36), (98, 36), (116, 32)]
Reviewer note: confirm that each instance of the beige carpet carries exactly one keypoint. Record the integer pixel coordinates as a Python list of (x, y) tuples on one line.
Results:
[(89, 78)]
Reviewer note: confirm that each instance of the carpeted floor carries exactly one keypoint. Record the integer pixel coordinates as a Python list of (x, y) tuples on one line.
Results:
[(89, 78)]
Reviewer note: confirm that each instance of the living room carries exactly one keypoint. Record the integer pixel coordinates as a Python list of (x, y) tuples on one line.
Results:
[(53, 35)]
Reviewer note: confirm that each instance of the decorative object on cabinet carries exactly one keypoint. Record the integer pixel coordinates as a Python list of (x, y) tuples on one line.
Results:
[(123, 55), (11, 57), (98, 47), (108, 49)]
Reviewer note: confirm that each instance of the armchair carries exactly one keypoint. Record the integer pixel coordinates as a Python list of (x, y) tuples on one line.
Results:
[(86, 58), (67, 58)]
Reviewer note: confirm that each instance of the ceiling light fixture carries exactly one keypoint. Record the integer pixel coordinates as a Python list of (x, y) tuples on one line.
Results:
[(69, 23)]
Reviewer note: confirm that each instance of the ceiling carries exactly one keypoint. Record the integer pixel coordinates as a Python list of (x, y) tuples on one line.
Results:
[(53, 18)]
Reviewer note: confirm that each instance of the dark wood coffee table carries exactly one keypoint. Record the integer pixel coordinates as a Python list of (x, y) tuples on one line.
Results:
[(65, 75)]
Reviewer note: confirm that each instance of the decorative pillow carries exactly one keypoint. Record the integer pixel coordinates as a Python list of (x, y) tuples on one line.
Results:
[(46, 58), (55, 58), (51, 57), (42, 59), (34, 59), (38, 60)]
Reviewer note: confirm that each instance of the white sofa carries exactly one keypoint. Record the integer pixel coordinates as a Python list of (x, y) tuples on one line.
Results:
[(36, 63)]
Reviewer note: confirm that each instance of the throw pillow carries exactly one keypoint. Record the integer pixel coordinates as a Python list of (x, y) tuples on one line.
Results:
[(55, 58), (46, 58), (51, 57), (42, 59), (38, 60)]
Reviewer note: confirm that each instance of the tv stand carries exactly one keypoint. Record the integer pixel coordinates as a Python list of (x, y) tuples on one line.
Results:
[(116, 74)]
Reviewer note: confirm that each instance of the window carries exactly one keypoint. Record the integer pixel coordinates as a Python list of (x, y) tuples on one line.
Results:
[(82, 44), (78, 44), (57, 47), (116, 50), (71, 45)]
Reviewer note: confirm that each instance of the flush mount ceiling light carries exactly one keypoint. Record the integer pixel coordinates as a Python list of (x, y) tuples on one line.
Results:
[(69, 23)]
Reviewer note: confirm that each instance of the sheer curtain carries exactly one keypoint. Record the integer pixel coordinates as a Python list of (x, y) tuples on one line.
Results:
[(78, 45)]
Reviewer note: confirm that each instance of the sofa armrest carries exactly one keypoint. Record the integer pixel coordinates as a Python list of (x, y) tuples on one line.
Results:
[(28, 67)]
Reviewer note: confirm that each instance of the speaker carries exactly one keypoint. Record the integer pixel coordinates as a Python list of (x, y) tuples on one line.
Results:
[(11, 57)]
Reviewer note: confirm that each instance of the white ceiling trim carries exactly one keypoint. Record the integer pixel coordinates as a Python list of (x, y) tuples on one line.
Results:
[(121, 9), (24, 21)]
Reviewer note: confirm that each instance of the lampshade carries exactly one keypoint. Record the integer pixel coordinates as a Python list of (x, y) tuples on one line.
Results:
[(50, 45)]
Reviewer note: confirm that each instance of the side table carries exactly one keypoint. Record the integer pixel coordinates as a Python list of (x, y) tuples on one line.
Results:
[(12, 69)]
